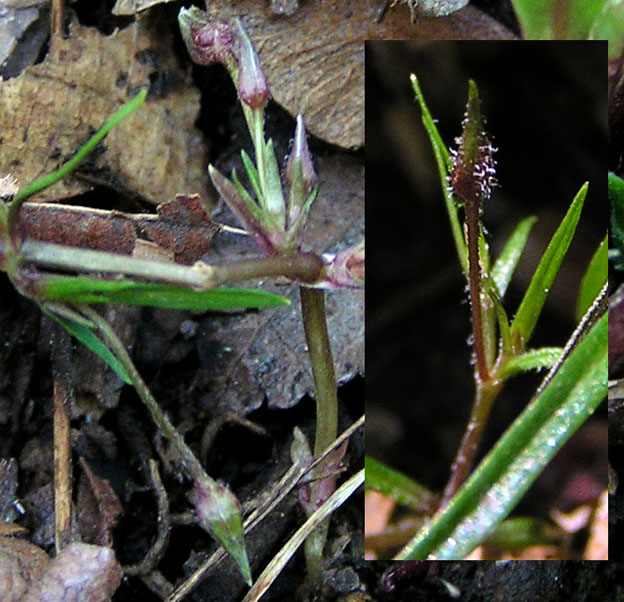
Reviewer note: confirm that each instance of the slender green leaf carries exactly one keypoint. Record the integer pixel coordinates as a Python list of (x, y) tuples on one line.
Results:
[(67, 168), (535, 296), (251, 205), (594, 279), (90, 341), (535, 359), (398, 486), (274, 197), (252, 173), (83, 289), (443, 160), (506, 263), (523, 531), (520, 455), (616, 200), (503, 321)]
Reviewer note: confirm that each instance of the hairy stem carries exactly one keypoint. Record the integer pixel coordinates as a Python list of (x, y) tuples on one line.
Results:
[(476, 290)]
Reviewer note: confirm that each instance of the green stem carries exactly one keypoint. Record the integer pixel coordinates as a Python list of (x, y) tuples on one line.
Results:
[(190, 462), (255, 125), (217, 509), (319, 349), (301, 267)]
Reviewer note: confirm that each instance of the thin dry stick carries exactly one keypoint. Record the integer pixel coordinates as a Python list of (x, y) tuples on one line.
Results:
[(62, 468), (319, 517), (159, 547)]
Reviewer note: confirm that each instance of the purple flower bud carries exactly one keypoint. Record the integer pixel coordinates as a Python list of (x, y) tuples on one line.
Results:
[(208, 41), (219, 513), (301, 153), (472, 176), (253, 88)]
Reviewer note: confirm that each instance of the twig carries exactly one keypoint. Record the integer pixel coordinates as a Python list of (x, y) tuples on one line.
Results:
[(157, 551), (62, 468), (319, 517)]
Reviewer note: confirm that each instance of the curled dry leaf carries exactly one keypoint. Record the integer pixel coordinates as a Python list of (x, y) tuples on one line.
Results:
[(52, 108), (182, 230)]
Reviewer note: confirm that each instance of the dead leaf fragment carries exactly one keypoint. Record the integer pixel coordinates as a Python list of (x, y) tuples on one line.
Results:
[(98, 508), (52, 108), (182, 229), (80, 573), (20, 563)]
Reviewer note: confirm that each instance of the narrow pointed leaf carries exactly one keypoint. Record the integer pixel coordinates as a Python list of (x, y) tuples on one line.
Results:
[(398, 486), (244, 213), (250, 204), (535, 296), (594, 279), (91, 342), (506, 263), (535, 359), (252, 174), (443, 160), (49, 179), (93, 290), (502, 320), (274, 197)]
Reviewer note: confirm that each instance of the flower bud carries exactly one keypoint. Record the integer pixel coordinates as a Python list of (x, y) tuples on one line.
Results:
[(300, 154), (252, 85), (218, 512), (208, 41), (472, 176)]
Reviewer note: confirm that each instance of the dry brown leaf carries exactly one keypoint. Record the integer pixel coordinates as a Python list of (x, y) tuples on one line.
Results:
[(597, 547), (314, 59), (98, 508), (50, 110)]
